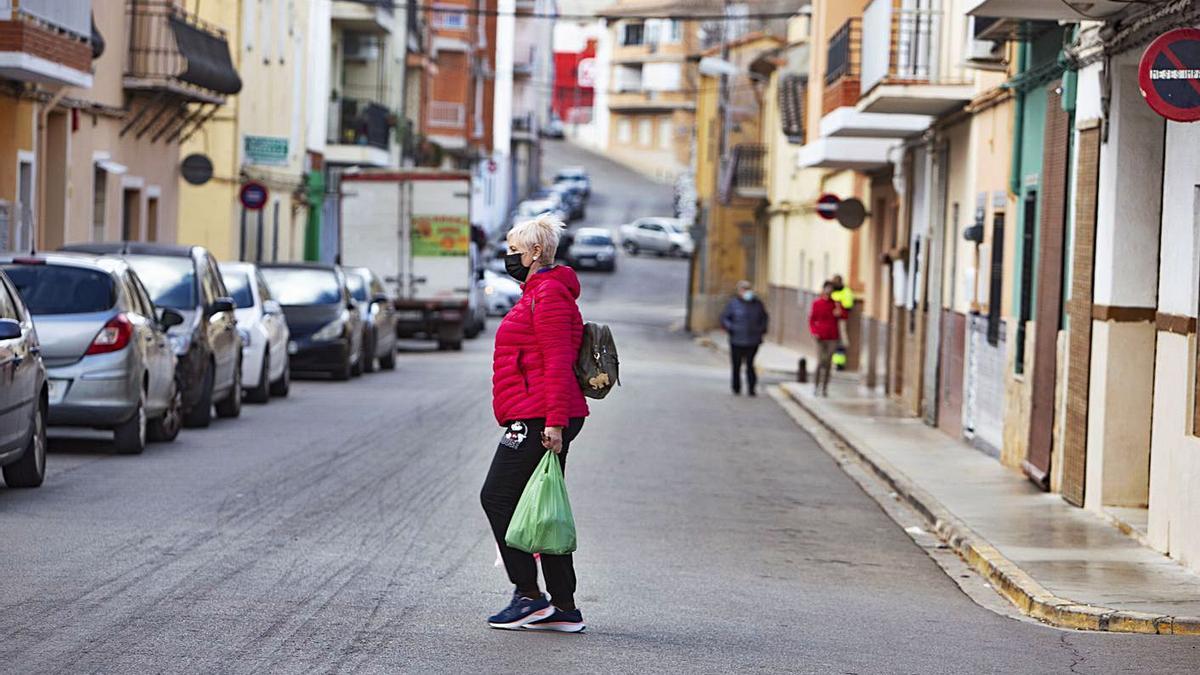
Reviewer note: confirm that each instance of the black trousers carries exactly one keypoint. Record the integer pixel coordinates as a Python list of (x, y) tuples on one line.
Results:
[(743, 355), (517, 456)]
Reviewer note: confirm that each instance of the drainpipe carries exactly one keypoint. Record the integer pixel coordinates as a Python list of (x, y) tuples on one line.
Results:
[(42, 148), (1014, 176)]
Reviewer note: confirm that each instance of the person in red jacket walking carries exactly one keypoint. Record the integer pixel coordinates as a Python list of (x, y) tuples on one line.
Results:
[(537, 399), (823, 319)]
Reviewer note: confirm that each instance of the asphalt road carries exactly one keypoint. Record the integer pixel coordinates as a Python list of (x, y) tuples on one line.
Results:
[(340, 531)]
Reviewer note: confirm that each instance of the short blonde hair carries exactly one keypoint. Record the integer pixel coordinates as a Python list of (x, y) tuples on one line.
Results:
[(544, 231)]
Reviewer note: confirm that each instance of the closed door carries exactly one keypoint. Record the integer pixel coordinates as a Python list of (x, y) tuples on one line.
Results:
[(222, 327), (131, 213), (18, 372)]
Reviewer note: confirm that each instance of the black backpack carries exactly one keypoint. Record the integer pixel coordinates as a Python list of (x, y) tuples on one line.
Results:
[(597, 368)]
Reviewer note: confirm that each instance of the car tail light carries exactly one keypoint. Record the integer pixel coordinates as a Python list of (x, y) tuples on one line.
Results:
[(113, 337)]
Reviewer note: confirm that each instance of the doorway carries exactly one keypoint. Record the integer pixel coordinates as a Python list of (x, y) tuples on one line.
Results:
[(131, 203), (24, 210)]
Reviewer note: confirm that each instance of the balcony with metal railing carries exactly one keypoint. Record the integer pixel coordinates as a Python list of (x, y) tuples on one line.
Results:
[(745, 174), (905, 65), (177, 53), (46, 41), (843, 67)]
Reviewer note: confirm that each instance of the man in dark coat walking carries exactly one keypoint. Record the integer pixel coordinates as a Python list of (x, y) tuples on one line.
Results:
[(745, 319)]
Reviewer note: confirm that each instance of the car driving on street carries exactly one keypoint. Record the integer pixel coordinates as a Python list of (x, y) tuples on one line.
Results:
[(23, 393), (378, 317), (109, 364), (663, 236), (575, 175), (264, 331), (207, 344), (324, 321)]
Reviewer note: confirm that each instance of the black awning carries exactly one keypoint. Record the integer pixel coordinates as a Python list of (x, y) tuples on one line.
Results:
[(207, 56), (97, 40)]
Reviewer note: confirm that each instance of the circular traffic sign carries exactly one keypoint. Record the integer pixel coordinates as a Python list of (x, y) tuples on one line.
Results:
[(1169, 75), (851, 213), (827, 206), (253, 195), (196, 168)]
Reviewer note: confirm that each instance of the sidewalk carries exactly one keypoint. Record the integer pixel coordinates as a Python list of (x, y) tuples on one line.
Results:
[(774, 358), (1057, 563)]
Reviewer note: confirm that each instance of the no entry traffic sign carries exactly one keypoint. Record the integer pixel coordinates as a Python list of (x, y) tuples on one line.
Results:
[(827, 206), (253, 195), (1169, 75)]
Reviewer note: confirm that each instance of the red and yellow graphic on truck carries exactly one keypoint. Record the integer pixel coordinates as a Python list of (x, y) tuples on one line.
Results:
[(440, 235)]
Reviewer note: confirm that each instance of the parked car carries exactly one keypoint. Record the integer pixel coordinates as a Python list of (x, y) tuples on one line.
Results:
[(532, 208), (207, 344), (664, 236), (324, 321), (500, 291), (593, 247), (23, 393), (264, 332), (109, 364), (570, 195), (576, 175), (554, 127), (378, 313)]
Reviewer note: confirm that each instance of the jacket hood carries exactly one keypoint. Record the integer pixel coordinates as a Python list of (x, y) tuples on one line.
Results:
[(564, 274)]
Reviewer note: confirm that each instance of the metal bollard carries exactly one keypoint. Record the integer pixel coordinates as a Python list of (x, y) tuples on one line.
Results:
[(802, 370)]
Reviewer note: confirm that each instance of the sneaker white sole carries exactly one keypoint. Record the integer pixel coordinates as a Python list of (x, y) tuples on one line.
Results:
[(558, 626), (519, 623)]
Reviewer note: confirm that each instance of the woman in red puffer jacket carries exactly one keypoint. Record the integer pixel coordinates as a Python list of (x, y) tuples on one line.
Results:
[(536, 397)]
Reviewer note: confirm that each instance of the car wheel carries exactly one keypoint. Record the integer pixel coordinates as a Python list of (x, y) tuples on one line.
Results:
[(356, 367), (283, 385), (30, 470), (676, 252), (262, 393), (200, 414), (129, 438), (232, 405), (631, 248), (368, 354), (344, 371), (164, 429), (388, 361)]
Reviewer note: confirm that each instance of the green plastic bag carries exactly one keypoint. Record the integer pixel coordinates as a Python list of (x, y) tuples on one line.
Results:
[(543, 522)]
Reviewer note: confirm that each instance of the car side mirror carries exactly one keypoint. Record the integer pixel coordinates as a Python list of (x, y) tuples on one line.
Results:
[(479, 274), (169, 318), (272, 307), (221, 305), (9, 329)]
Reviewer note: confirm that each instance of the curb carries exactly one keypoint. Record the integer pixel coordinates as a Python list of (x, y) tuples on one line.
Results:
[(1012, 582)]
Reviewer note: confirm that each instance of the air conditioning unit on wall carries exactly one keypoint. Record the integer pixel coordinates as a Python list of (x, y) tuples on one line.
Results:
[(983, 53)]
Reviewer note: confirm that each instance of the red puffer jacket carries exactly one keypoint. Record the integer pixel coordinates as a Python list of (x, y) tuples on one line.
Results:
[(533, 367)]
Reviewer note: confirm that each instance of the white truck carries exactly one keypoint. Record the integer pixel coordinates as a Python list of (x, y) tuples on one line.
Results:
[(413, 226)]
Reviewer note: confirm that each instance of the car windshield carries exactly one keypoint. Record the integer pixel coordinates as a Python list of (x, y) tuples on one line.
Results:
[(171, 280), (59, 289), (302, 286), (594, 240), (569, 175), (238, 285), (358, 289)]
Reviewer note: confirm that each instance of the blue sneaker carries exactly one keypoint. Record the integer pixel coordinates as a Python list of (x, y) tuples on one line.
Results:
[(563, 622), (521, 611)]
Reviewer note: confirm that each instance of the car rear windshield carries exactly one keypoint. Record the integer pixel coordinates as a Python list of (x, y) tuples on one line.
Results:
[(61, 289), (594, 240), (300, 286), (171, 280), (238, 285), (358, 289)]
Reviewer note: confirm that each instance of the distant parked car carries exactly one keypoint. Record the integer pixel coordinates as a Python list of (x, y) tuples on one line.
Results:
[(187, 279), (500, 291), (664, 236), (23, 393), (554, 128), (324, 321), (264, 331), (109, 364), (576, 175), (378, 315), (593, 247), (572, 197), (530, 209)]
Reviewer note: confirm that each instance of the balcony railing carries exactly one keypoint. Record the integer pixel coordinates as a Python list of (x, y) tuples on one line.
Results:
[(843, 67), (359, 122), (744, 175), (446, 115), (910, 52), (171, 49)]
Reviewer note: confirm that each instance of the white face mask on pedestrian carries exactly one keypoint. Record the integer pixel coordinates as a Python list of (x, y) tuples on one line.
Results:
[(747, 295)]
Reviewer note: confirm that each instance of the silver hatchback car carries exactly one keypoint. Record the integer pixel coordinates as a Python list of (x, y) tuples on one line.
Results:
[(109, 364)]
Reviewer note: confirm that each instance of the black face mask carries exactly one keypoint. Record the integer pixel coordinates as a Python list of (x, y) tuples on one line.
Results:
[(512, 264)]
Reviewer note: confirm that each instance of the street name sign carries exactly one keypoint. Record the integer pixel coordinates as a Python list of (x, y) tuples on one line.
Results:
[(1169, 75)]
